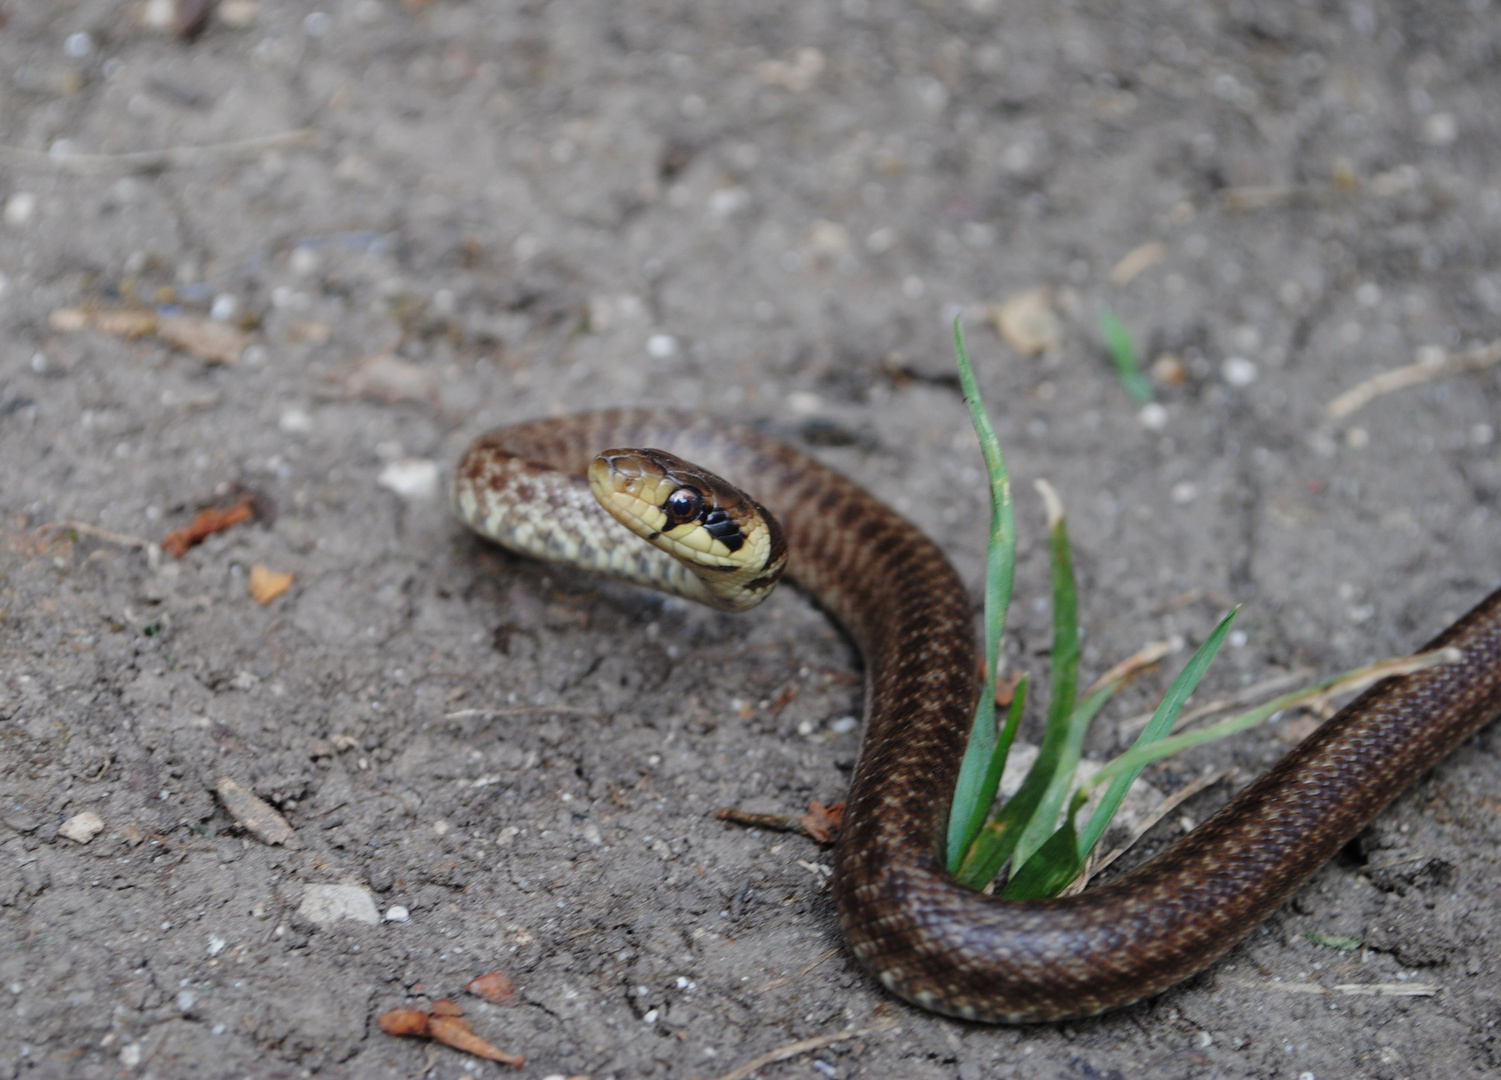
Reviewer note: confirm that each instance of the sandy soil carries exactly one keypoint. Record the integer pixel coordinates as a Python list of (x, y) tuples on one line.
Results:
[(505, 210)]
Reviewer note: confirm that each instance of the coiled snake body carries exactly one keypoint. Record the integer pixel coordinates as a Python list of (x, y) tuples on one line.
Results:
[(925, 937)]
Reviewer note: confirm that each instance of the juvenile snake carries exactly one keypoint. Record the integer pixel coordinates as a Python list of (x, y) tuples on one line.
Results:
[(925, 937)]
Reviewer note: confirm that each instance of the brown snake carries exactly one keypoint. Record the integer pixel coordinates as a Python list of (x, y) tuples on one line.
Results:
[(925, 937)]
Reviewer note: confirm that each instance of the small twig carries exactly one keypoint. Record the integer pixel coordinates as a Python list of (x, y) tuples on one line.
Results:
[(775, 822), (524, 710), (95, 531), (1144, 657), (1193, 596), (171, 157), (804, 1046), (98, 774), (1362, 394), (1160, 811), (1353, 989)]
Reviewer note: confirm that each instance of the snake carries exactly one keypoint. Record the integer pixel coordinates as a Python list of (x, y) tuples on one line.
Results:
[(536, 488)]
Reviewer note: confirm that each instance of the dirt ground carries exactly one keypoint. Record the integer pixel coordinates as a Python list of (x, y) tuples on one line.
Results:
[(464, 214)]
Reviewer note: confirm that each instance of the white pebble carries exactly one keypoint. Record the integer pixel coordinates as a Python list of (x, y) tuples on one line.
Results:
[(226, 307), (216, 945), (130, 1055), (411, 478), (1153, 416), (843, 725), (1184, 492), (397, 913), (19, 208), (1239, 371), (295, 421), (661, 346), (324, 904), (78, 45), (83, 827)]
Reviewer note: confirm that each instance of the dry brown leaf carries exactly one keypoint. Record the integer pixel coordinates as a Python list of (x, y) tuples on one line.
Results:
[(1005, 688), (68, 320), (255, 814), (208, 522), (494, 986), (403, 1022), (390, 379), (1027, 321), (445, 1023), (267, 584), (822, 822), (455, 1031), (1137, 260), (205, 338)]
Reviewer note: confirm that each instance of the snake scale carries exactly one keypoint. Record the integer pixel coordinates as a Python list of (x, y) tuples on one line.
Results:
[(925, 937)]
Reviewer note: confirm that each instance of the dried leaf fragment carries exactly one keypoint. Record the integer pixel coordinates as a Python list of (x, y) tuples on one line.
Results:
[(389, 379), (267, 584), (445, 1024), (205, 338), (1137, 260), (403, 1022), (822, 822), (208, 522), (258, 817), (1027, 321), (494, 986)]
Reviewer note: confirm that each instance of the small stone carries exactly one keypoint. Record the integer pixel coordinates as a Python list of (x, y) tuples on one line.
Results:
[(1185, 492), (295, 422), (327, 904), (411, 478), (661, 346), (81, 828), (1153, 416), (1239, 371), (19, 208), (397, 913)]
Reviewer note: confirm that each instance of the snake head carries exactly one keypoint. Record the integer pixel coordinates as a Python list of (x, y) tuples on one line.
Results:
[(732, 543)]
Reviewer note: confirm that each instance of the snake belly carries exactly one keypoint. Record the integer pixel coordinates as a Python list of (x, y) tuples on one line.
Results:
[(926, 938)]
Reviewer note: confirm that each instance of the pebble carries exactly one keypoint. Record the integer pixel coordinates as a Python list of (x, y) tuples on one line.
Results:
[(1153, 416), (81, 828), (326, 904), (1239, 371), (397, 913), (411, 478), (661, 346), (19, 208)]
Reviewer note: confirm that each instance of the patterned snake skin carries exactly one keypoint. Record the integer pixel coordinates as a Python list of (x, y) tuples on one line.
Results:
[(926, 938)]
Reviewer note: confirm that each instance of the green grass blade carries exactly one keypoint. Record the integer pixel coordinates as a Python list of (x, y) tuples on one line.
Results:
[(1044, 821), (1065, 685), (1139, 756), (1050, 869), (982, 849), (1158, 727), (971, 799), (1122, 349)]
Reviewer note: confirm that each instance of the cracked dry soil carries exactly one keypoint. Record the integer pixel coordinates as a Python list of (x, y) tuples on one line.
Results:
[(505, 210)]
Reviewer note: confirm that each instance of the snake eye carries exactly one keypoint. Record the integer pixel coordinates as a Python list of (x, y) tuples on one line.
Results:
[(682, 506)]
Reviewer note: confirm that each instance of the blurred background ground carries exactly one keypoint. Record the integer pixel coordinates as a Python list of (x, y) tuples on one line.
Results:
[(415, 221)]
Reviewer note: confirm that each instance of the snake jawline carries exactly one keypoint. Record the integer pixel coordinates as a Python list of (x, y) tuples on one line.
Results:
[(922, 935)]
